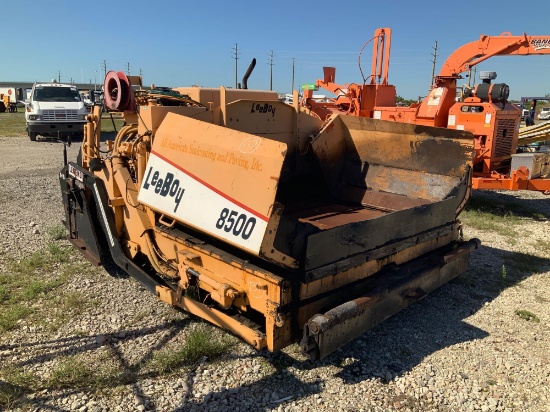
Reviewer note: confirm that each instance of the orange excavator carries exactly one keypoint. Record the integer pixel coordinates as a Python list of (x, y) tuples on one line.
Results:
[(483, 110)]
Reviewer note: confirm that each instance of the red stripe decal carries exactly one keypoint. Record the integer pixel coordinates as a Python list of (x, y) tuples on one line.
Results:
[(202, 182)]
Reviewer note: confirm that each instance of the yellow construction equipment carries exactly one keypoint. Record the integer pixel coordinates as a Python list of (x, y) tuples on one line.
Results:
[(265, 220)]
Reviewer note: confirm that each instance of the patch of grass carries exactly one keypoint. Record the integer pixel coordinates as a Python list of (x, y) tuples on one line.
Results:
[(4, 293), (29, 265), (71, 372), (74, 303), (10, 315), (107, 123), (78, 372), (14, 383), (503, 208), (485, 214), (13, 124), (528, 316), (58, 254), (200, 342), (491, 382), (28, 281), (57, 232)]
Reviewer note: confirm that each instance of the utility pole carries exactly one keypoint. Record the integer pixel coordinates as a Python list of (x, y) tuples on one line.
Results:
[(236, 57), (104, 68), (292, 90), (271, 70), (434, 54), (59, 76), (128, 68)]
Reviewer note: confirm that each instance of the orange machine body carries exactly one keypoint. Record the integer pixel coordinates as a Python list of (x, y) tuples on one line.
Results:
[(494, 123)]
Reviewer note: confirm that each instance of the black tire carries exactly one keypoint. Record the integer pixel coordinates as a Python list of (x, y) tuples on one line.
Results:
[(32, 136)]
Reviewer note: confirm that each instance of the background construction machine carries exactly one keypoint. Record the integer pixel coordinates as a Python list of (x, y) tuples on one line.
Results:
[(10, 98), (485, 111), (265, 220)]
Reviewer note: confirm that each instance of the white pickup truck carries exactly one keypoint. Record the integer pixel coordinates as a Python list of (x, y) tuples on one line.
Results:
[(544, 113), (55, 109)]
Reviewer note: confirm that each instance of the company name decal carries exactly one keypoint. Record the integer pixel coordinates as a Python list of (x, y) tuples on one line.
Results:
[(539, 44), (164, 185), (170, 189)]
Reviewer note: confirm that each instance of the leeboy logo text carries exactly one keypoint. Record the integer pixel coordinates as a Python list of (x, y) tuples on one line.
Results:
[(165, 186), (539, 44)]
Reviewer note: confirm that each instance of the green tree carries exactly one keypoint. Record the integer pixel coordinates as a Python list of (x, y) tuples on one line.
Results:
[(405, 102)]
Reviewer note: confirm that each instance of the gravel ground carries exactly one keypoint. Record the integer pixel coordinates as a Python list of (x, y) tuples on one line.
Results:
[(461, 348)]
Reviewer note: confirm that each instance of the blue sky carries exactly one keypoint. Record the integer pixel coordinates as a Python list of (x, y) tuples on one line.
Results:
[(181, 43)]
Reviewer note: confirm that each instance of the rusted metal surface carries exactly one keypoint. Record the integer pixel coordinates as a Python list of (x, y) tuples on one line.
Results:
[(325, 333), (358, 154)]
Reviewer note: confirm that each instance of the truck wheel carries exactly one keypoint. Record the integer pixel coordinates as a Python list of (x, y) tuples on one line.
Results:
[(32, 136)]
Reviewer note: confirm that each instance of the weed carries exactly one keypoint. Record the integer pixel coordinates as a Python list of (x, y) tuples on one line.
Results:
[(14, 383), (528, 316), (58, 254), (17, 376), (28, 265), (10, 315), (4, 293), (199, 343), (71, 372), (503, 282), (491, 382), (77, 372), (56, 232), (33, 289), (140, 316), (73, 302)]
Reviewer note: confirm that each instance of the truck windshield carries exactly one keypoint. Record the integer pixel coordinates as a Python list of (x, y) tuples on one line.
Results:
[(56, 94)]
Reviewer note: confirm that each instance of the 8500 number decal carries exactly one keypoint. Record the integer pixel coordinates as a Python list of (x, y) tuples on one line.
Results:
[(240, 225)]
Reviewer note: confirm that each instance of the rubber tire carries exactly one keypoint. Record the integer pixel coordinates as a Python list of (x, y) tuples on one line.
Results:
[(32, 136)]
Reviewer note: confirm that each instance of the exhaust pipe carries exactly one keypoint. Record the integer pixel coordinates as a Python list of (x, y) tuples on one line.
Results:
[(248, 73)]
